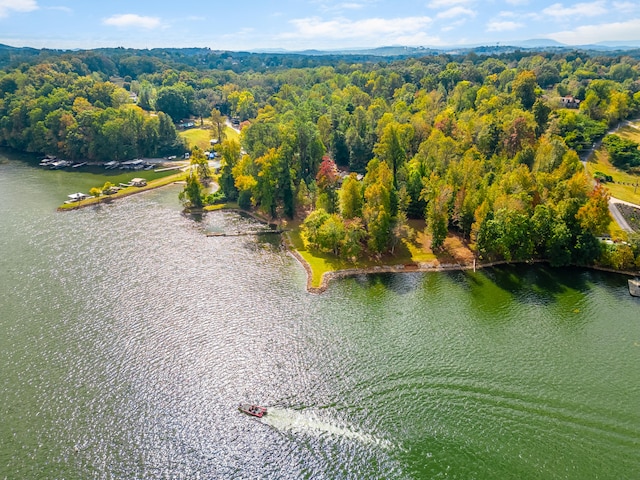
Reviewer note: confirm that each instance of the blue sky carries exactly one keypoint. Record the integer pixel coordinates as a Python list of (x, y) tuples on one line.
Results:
[(304, 24)]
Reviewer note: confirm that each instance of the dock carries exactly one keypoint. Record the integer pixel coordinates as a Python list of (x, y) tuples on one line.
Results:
[(245, 234)]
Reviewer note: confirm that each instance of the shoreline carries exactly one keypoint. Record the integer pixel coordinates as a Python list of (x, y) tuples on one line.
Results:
[(421, 267), (175, 180), (327, 277)]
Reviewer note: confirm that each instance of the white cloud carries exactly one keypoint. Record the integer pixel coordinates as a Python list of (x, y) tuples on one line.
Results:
[(587, 34), (454, 25), (496, 26), (351, 6), (367, 29), (130, 20), (518, 2), (338, 7), (592, 9), (530, 15), (456, 12), (625, 7), (448, 3), (8, 6)]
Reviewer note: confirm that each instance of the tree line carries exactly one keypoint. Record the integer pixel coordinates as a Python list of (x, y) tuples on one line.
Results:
[(479, 145), (50, 109), (487, 150)]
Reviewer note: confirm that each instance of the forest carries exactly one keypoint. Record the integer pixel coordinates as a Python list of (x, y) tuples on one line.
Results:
[(484, 146)]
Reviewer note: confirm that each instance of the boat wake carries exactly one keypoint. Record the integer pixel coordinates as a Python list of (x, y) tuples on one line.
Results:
[(284, 419)]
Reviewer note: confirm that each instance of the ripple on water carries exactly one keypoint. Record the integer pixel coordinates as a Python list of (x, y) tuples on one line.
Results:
[(129, 338)]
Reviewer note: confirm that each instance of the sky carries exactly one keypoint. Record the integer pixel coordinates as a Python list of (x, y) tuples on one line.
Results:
[(311, 24)]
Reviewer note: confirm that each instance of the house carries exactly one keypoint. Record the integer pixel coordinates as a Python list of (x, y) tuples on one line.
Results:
[(570, 102), (138, 182)]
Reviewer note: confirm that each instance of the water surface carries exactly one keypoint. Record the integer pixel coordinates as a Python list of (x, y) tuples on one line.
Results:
[(128, 337)]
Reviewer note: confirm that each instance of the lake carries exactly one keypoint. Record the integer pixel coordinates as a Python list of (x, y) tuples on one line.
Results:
[(128, 338)]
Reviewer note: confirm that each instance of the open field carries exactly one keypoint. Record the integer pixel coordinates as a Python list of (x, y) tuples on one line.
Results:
[(197, 137), (625, 186), (201, 136)]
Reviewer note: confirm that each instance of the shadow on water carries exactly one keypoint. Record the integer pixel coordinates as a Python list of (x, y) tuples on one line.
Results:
[(398, 283), (526, 283), (197, 217)]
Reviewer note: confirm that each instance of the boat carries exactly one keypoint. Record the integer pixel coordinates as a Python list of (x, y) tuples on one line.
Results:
[(47, 161), (253, 410), (634, 287)]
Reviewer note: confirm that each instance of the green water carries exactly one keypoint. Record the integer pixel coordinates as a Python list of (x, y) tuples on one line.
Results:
[(127, 339)]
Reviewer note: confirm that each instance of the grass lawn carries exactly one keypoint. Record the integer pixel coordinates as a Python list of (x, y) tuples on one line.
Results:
[(201, 136), (231, 133), (624, 184), (197, 136), (408, 252)]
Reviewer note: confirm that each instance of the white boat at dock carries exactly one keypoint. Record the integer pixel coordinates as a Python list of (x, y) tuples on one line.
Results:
[(59, 164), (634, 287), (47, 161)]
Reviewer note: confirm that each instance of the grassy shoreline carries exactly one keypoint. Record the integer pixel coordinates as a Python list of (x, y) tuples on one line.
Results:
[(125, 192)]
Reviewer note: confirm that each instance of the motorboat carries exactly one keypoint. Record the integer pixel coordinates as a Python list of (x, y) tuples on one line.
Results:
[(253, 410), (634, 287)]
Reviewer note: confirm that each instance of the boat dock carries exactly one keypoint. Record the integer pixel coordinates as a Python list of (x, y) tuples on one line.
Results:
[(244, 234)]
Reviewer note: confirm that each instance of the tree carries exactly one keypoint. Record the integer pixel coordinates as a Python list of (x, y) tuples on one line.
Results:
[(623, 152), (393, 145), (351, 197), (230, 153), (201, 165), (377, 208), (311, 226), (524, 88), (243, 173), (401, 230), (304, 198), (355, 233), (541, 113), (191, 196), (175, 101), (594, 215), (243, 104), (331, 234), (266, 193), (217, 120), (437, 214), (327, 182)]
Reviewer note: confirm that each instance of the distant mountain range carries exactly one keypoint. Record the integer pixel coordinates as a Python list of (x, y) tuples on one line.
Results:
[(395, 51), (500, 47)]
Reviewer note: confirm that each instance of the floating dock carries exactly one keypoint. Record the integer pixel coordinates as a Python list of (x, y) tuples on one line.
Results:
[(243, 234)]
